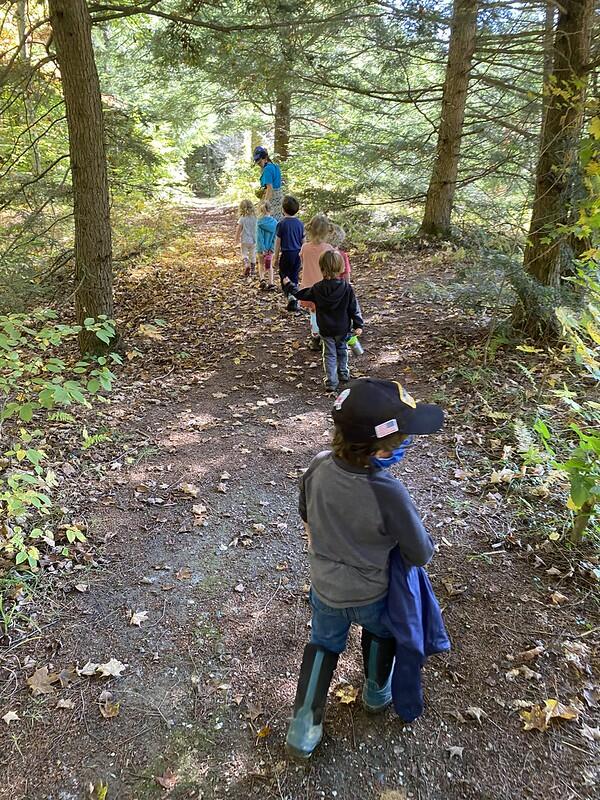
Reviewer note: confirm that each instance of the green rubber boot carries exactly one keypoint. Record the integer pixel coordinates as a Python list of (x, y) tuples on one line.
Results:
[(306, 728), (378, 659)]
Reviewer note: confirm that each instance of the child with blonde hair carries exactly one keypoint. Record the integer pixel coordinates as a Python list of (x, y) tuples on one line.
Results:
[(266, 225), (245, 236), (313, 248)]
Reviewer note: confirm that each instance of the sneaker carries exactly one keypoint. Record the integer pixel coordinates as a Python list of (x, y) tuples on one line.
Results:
[(292, 304), (263, 285), (344, 377), (271, 287), (331, 387), (314, 342), (247, 272)]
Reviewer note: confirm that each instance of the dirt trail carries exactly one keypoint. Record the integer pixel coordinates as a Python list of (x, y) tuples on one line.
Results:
[(230, 402)]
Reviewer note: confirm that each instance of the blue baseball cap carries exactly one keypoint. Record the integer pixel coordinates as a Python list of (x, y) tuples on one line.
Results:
[(259, 152)]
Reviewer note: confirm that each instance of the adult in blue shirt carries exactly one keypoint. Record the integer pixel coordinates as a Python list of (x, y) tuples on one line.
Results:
[(270, 181)]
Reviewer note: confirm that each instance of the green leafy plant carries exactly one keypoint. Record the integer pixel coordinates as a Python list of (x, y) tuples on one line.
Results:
[(37, 380)]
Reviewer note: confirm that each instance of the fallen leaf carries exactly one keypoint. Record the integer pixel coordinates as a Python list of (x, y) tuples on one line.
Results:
[(41, 681), (240, 588), (264, 732), (346, 693), (168, 780), (108, 707), (591, 696), (593, 734), (539, 718), (222, 487), (394, 794), (10, 716), (451, 588), (112, 668), (225, 476), (529, 655), (577, 655), (199, 509), (254, 712), (137, 618), (88, 669), (82, 587), (67, 676), (65, 703), (557, 598), (455, 752), (183, 574), (98, 791), (188, 488), (259, 527), (476, 713)]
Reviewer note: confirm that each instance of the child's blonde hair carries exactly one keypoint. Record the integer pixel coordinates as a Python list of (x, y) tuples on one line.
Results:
[(247, 208), (331, 264), (318, 228), (264, 208), (336, 235)]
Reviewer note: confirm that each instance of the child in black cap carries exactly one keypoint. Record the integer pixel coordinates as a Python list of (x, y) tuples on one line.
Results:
[(355, 512)]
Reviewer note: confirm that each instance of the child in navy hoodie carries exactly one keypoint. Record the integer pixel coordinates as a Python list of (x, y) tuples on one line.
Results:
[(337, 315)]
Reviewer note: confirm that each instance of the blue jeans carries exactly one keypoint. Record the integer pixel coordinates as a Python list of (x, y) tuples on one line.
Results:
[(335, 360), (330, 625), (289, 266)]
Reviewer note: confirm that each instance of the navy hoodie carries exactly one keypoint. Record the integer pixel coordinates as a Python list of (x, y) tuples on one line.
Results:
[(337, 309)]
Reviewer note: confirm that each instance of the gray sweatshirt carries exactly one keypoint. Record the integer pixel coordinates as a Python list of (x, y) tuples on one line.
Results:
[(356, 517)]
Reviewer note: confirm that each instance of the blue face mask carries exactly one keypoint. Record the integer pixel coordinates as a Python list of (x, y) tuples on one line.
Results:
[(397, 455)]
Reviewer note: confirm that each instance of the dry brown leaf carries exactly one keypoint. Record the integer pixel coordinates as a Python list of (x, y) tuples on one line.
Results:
[(10, 716), (222, 488), (455, 752), (108, 707), (88, 669), (41, 681), (254, 712), (264, 732), (393, 794), (199, 509), (476, 713), (183, 574), (137, 617), (539, 718), (111, 669), (529, 655), (67, 675), (557, 598), (168, 780), (65, 703), (189, 489)]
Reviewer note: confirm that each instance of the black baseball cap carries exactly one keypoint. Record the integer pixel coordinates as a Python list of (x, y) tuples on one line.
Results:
[(372, 409)]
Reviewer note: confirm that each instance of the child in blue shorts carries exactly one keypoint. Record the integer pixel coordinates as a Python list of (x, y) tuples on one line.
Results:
[(289, 237)]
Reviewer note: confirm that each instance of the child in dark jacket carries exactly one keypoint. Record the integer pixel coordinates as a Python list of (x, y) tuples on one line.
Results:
[(337, 315), (355, 514)]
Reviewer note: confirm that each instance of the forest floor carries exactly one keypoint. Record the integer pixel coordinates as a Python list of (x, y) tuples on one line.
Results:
[(212, 421)]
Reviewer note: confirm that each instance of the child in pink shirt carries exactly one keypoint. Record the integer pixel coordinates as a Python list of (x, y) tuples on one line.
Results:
[(317, 232)]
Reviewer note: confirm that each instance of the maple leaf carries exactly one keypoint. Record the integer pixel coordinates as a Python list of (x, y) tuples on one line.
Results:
[(10, 716), (67, 675), (137, 618), (189, 488), (41, 681), (455, 752), (112, 668), (475, 713), (539, 718), (346, 693)]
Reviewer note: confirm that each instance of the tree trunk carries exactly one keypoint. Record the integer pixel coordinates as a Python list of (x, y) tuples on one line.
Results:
[(559, 156), (442, 186), (71, 26), (283, 103)]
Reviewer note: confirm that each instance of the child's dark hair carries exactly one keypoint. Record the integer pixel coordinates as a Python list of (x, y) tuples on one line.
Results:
[(290, 205), (358, 454)]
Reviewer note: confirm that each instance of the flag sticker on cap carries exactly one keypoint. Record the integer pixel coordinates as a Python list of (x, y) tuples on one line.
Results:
[(386, 428), (404, 396), (340, 399)]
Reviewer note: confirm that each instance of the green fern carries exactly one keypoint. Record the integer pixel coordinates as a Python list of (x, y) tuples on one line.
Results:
[(95, 439), (61, 416)]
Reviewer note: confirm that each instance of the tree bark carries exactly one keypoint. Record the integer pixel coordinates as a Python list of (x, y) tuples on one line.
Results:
[(283, 104), (557, 166), (442, 185), (71, 26)]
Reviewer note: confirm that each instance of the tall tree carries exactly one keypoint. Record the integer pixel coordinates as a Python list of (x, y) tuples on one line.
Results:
[(559, 156), (71, 26), (442, 185)]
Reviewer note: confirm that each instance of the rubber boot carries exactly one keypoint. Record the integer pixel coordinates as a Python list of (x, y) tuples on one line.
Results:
[(306, 728), (378, 659)]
